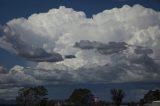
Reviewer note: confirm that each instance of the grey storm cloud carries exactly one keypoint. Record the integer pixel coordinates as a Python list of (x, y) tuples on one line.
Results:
[(149, 63), (70, 56), (39, 55), (110, 48), (143, 50)]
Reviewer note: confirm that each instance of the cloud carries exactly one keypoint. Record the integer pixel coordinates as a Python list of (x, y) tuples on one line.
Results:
[(70, 56), (110, 48), (17, 76), (117, 45), (30, 52), (2, 69), (39, 54), (141, 50)]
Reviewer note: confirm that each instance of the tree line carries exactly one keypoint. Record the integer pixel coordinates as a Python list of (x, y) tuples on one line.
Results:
[(37, 96)]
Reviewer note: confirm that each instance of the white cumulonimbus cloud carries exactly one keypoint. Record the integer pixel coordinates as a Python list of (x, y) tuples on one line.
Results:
[(117, 45)]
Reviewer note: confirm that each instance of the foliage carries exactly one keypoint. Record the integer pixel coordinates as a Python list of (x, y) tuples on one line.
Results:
[(117, 96), (31, 95), (78, 96), (150, 96)]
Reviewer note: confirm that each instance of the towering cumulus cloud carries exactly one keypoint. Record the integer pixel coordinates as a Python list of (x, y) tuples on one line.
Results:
[(117, 45)]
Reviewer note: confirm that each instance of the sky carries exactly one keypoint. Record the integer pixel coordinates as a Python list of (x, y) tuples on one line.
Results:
[(68, 44)]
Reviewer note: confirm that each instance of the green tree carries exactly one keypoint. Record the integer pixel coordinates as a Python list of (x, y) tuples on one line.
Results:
[(31, 95), (151, 95), (117, 96), (78, 96)]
